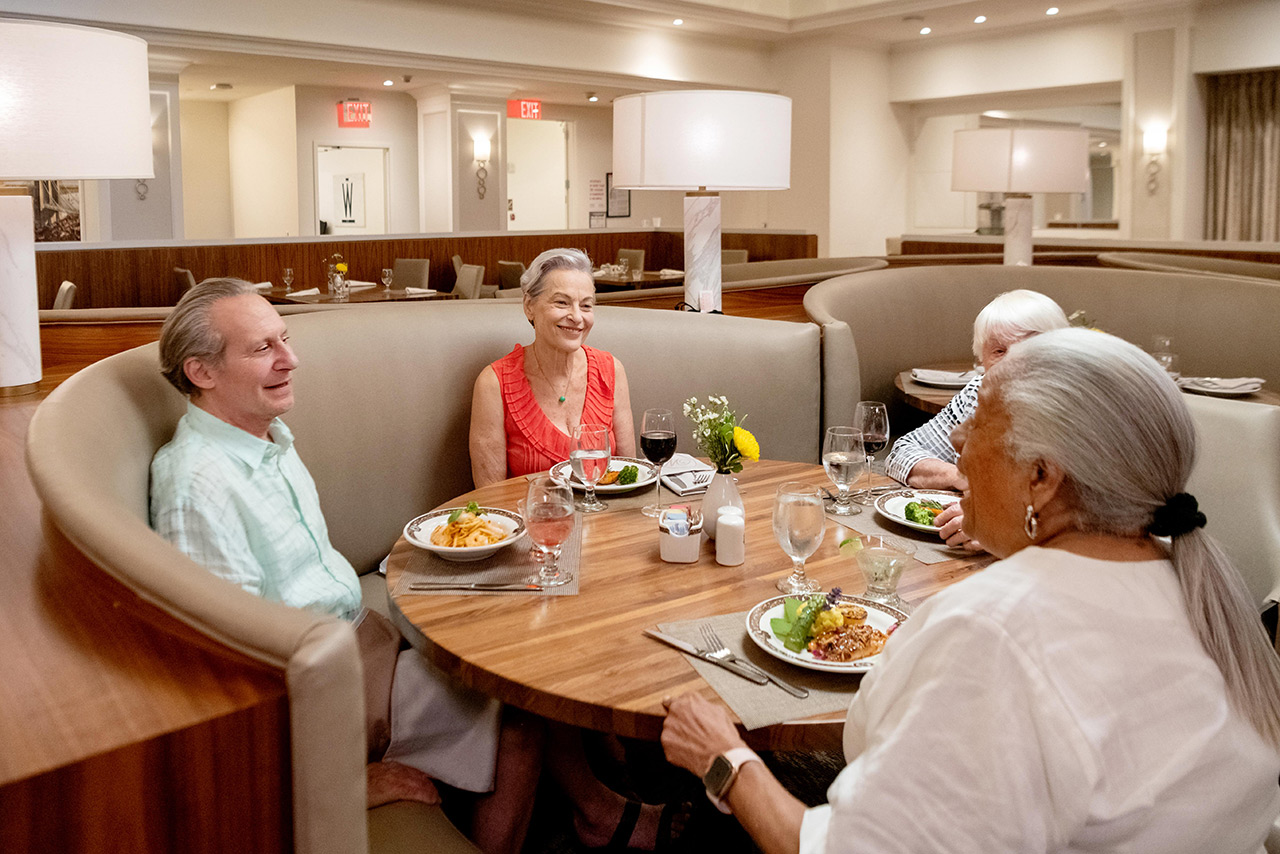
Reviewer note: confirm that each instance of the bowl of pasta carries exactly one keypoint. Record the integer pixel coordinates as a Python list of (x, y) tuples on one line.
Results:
[(465, 533)]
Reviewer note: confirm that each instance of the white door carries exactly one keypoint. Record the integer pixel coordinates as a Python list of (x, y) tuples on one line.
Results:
[(537, 175), (351, 190)]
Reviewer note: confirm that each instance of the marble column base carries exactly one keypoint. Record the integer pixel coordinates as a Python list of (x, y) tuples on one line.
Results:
[(1018, 214), (19, 315), (702, 251)]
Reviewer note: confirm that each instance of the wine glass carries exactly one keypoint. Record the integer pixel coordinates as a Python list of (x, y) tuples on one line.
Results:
[(871, 419), (386, 277), (589, 459), (658, 444), (288, 279), (842, 457), (798, 523), (548, 517)]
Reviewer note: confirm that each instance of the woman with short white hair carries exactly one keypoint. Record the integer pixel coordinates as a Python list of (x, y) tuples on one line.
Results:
[(924, 458), (1106, 686)]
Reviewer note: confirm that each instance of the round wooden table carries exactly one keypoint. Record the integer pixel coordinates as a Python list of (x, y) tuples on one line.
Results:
[(582, 659)]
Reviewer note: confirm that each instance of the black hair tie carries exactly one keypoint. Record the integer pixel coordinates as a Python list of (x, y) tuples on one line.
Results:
[(1179, 515)]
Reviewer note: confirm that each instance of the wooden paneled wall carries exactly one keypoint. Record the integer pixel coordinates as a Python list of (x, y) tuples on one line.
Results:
[(945, 246), (111, 277)]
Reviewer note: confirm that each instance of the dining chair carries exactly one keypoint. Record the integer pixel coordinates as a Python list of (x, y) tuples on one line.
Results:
[(457, 264), (410, 273), (733, 256), (66, 295), (634, 259), (183, 278), (509, 273), (468, 286)]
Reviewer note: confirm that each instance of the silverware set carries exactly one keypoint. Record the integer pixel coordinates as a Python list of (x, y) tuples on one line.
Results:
[(717, 650), (510, 586)]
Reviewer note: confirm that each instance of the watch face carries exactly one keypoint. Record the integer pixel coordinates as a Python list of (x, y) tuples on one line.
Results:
[(718, 777)]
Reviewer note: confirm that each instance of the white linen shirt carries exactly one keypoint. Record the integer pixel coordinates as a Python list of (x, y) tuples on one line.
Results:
[(932, 440), (1049, 703), (247, 510)]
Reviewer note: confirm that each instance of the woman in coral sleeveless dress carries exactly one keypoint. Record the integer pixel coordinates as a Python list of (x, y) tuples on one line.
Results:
[(526, 405)]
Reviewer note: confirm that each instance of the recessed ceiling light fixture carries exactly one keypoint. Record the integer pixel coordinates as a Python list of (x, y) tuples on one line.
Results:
[(1102, 145), (1052, 10), (592, 97), (678, 22), (981, 19), (388, 83), (924, 31), (220, 86)]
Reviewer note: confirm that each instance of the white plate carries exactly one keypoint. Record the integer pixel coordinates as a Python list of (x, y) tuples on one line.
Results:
[(879, 616), (418, 532), (563, 472), (1189, 384), (960, 381), (892, 505)]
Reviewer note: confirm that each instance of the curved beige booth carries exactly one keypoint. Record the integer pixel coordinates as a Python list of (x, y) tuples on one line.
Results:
[(1165, 262), (384, 398), (755, 275)]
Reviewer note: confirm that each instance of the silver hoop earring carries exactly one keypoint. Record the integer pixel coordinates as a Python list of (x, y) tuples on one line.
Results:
[(1031, 524)]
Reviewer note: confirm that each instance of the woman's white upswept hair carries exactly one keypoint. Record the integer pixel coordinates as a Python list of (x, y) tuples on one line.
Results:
[(1015, 315), (534, 279), (1113, 420)]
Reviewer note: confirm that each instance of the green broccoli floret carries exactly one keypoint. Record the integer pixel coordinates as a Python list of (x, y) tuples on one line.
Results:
[(628, 475), (922, 512)]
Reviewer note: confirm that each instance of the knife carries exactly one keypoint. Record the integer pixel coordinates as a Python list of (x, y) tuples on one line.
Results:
[(474, 585), (690, 649)]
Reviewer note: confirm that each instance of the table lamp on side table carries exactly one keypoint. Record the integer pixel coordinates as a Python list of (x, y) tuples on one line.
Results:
[(702, 142), (77, 105)]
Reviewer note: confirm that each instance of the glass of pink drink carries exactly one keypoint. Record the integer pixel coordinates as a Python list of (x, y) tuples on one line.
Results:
[(548, 517)]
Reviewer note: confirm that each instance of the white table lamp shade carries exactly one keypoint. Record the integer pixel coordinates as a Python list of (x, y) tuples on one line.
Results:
[(718, 139), (1020, 160)]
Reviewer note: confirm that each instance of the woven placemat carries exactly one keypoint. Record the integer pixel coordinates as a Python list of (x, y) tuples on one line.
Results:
[(515, 563)]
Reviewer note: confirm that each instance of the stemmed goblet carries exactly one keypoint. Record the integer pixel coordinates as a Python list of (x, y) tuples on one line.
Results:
[(872, 420), (288, 279), (589, 460), (842, 457), (658, 444), (386, 277), (798, 523), (548, 517)]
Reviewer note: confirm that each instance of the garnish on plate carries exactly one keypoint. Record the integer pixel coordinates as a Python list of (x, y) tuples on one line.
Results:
[(829, 628)]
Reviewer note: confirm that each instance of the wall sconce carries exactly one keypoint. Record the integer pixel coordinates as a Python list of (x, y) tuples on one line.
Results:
[(482, 152), (1155, 141)]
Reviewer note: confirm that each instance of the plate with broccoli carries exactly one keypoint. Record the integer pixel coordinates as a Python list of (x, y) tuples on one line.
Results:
[(915, 508), (623, 475)]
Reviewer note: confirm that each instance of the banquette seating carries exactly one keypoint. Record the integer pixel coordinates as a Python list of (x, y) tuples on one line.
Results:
[(755, 275), (1167, 262), (383, 407)]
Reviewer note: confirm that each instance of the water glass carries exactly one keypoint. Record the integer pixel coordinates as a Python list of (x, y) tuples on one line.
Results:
[(798, 525), (1168, 361), (386, 277), (843, 459), (882, 559), (547, 510), (658, 444), (589, 459), (288, 279), (872, 420)]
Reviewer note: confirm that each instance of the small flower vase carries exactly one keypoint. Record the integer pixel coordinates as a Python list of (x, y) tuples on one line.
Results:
[(338, 286), (722, 490)]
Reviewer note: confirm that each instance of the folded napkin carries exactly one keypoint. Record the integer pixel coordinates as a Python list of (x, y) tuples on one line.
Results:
[(669, 272), (309, 292), (420, 291), (1223, 383), (264, 286), (357, 285), (930, 376), (681, 463), (679, 473)]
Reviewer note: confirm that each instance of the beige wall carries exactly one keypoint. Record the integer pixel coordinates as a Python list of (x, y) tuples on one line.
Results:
[(263, 151), (206, 173)]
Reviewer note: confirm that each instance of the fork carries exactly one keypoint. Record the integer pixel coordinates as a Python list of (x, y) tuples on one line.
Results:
[(717, 650), (701, 478)]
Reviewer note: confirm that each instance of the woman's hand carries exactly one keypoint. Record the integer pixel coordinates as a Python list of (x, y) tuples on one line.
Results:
[(696, 731), (950, 524)]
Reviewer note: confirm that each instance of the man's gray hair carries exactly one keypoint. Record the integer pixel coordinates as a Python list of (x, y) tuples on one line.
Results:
[(188, 332), (1115, 423), (534, 279), (1015, 315)]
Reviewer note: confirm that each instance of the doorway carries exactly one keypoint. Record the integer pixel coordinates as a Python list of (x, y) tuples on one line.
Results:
[(537, 175), (351, 190)]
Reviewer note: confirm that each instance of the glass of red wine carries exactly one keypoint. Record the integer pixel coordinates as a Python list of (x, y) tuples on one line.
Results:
[(548, 517), (872, 419), (658, 444)]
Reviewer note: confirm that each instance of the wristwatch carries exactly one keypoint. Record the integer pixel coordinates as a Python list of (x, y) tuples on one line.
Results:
[(723, 772)]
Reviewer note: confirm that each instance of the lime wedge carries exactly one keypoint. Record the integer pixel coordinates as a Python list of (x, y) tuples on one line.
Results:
[(850, 546)]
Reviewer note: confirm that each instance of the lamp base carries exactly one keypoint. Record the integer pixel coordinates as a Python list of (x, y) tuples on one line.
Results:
[(19, 302), (702, 250), (1018, 214)]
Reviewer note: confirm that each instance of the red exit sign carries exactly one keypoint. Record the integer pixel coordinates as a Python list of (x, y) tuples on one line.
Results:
[(524, 109), (354, 114)]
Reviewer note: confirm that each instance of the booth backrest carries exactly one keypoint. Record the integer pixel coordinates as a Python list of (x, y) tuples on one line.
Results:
[(879, 323), (1168, 262)]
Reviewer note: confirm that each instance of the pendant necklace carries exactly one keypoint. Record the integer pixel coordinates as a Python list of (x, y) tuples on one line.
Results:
[(537, 363)]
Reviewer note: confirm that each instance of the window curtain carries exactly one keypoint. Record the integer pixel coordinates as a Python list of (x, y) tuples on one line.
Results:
[(1243, 198)]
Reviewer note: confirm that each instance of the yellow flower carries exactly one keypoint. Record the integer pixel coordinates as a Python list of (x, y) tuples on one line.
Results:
[(746, 443), (341, 268)]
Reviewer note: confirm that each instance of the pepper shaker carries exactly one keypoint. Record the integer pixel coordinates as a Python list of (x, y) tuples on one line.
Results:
[(731, 538)]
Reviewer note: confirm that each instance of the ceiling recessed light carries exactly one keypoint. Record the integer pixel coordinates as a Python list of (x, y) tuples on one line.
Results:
[(678, 22), (1102, 145), (220, 86), (981, 19), (592, 97), (924, 31), (388, 83), (1052, 10)]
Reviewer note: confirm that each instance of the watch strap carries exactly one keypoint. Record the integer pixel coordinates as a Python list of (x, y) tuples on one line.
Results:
[(736, 757)]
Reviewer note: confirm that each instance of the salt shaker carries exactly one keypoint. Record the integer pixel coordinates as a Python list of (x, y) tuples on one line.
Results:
[(731, 535)]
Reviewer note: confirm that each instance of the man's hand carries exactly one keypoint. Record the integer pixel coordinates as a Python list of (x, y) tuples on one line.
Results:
[(950, 528), (696, 731), (933, 473), (392, 781)]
